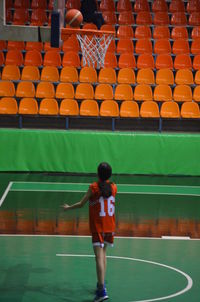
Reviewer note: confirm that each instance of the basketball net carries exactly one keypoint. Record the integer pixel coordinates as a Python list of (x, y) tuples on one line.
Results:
[(94, 49)]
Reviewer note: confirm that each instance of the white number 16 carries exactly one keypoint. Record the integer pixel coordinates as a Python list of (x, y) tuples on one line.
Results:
[(111, 206)]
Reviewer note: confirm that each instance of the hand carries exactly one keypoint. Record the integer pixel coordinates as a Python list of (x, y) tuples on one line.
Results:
[(65, 207)]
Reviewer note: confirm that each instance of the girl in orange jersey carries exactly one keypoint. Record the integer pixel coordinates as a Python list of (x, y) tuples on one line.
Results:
[(101, 196)]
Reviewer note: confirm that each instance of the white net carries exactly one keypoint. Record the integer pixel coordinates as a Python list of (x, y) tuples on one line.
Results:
[(94, 49)]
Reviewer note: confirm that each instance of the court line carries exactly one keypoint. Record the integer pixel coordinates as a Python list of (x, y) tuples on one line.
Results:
[(5, 193), (183, 291)]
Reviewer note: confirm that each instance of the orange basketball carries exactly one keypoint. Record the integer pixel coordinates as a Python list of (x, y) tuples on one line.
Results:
[(74, 18)]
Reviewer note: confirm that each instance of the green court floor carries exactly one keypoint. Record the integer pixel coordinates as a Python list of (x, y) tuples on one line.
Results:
[(56, 269)]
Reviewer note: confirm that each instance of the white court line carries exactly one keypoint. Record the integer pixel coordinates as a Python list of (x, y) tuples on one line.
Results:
[(5, 193), (183, 291)]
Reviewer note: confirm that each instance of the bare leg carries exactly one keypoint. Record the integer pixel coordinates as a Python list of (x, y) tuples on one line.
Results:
[(100, 264), (105, 260)]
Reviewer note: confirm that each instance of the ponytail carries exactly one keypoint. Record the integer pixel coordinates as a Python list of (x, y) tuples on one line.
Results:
[(105, 189)]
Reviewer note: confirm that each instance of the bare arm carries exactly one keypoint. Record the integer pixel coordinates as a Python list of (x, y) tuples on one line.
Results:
[(79, 204)]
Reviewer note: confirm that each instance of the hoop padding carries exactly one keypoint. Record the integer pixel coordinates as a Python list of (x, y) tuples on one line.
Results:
[(94, 49)]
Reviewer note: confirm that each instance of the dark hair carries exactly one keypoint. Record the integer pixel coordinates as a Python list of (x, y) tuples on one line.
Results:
[(104, 173)]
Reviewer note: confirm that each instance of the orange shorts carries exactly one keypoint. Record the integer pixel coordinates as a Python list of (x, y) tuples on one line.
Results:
[(100, 239)]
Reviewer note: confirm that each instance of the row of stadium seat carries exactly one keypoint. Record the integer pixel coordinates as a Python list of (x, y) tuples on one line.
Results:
[(70, 107), (105, 75), (30, 4), (72, 58), (141, 92)]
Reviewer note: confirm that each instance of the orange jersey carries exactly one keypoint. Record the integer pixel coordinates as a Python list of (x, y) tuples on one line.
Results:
[(102, 211)]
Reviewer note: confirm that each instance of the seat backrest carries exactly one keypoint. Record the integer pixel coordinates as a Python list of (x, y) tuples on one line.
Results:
[(143, 46), (88, 75), (164, 61), (161, 18), (25, 89), (144, 18), (190, 110), (107, 75), (127, 60), (39, 4), (196, 62), (109, 108), (38, 17), (8, 105), (182, 61), (129, 109), (176, 6), (20, 45), (104, 92), (30, 73), (14, 57), (145, 61), (52, 58), (159, 6), (126, 18), (141, 5), (45, 90), (161, 32), (110, 60), (84, 91), (197, 77), (33, 58), (69, 107), (181, 47), (149, 109), (2, 59), (47, 47), (125, 31), (48, 106), (192, 6), (71, 44), (123, 92), (50, 74), (165, 76), (125, 45), (72, 59), (194, 19), (182, 93), (143, 92), (21, 16), (69, 74), (195, 32), (109, 17), (3, 45), (11, 72), (65, 91), (162, 46), (126, 76), (34, 45), (196, 94), (184, 76), (21, 3), (170, 110), (89, 108), (28, 106), (162, 93), (178, 18), (142, 32), (145, 76), (195, 47), (179, 32), (107, 5), (7, 88)]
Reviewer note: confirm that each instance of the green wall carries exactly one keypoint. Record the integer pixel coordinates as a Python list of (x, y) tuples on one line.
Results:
[(82, 151)]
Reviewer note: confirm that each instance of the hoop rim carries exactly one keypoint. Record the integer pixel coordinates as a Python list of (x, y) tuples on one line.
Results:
[(73, 30)]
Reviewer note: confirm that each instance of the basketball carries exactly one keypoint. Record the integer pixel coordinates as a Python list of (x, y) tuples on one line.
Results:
[(74, 18)]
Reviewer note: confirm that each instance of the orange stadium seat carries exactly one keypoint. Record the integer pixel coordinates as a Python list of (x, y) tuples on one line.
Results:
[(90, 26), (145, 76), (38, 17), (50, 74), (126, 76), (196, 62), (182, 61), (11, 72), (181, 47), (71, 58), (145, 61), (143, 18), (176, 6), (34, 46), (143, 92), (141, 5), (30, 73), (149, 109), (48, 107), (47, 47), (170, 110), (197, 77), (161, 18), (103, 92), (162, 93), (25, 89), (112, 47), (33, 58), (109, 17), (84, 91), (69, 74), (165, 76), (127, 60), (123, 92), (142, 32), (20, 45), (7, 88), (196, 94), (52, 58), (89, 108), (161, 32), (1, 58), (45, 90), (9, 16), (190, 110), (159, 6), (8, 106), (108, 27), (195, 47), (107, 75), (178, 18), (9, 4), (110, 60), (184, 76), (126, 18), (125, 45), (71, 44), (109, 108), (39, 4), (65, 91), (194, 19), (3, 45), (124, 5), (164, 61), (14, 57), (76, 4), (125, 31), (69, 107), (21, 4), (182, 93), (195, 32), (143, 46), (129, 109), (107, 5), (162, 46), (28, 106), (193, 6), (88, 75), (21, 16), (179, 32)]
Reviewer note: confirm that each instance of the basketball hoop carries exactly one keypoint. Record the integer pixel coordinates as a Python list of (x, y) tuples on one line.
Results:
[(94, 44)]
